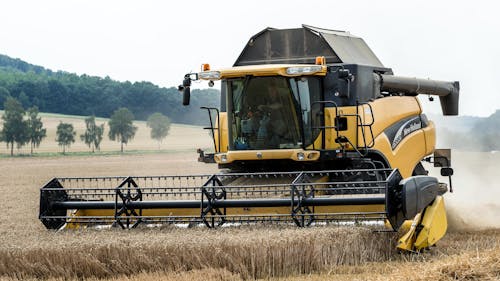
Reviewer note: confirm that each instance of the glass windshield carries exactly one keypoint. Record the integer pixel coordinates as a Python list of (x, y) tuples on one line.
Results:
[(307, 90), (270, 112)]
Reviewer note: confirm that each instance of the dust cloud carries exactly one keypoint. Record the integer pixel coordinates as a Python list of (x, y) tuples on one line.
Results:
[(474, 203)]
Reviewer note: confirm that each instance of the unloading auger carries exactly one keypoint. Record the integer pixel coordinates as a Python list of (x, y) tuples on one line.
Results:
[(312, 129)]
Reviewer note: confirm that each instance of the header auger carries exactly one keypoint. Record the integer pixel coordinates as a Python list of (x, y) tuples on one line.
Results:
[(311, 129)]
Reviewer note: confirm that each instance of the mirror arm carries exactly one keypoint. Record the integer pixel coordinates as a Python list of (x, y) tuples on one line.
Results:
[(185, 88)]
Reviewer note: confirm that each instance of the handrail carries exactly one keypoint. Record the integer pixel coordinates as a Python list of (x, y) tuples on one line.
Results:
[(209, 109), (359, 125)]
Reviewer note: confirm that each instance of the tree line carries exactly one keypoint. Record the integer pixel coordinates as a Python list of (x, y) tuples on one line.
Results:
[(68, 93), (22, 127)]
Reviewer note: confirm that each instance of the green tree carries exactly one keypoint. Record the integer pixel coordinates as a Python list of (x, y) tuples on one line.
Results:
[(121, 127), (65, 135), (93, 133), (15, 128), (23, 99), (4, 94), (36, 132), (160, 125)]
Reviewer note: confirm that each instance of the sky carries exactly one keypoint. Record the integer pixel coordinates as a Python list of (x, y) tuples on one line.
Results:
[(160, 41)]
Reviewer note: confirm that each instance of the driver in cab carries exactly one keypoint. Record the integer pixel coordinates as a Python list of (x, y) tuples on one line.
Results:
[(272, 127)]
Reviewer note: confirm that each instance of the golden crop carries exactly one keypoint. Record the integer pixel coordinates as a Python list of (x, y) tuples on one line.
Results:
[(29, 251)]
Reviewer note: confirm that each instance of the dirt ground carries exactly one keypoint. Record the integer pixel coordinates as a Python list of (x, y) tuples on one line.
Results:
[(470, 251)]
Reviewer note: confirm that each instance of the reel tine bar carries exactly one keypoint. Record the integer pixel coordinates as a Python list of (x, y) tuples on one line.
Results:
[(213, 200)]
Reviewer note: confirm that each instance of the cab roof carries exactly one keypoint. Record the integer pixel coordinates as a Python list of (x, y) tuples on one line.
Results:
[(303, 45)]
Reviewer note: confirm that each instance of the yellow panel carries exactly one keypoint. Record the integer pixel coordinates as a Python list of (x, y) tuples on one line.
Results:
[(317, 142), (430, 138), (406, 225), (434, 224), (349, 208), (407, 241), (195, 212), (238, 211), (386, 112), (148, 212), (222, 118), (406, 155), (110, 213), (390, 110), (267, 154), (331, 134)]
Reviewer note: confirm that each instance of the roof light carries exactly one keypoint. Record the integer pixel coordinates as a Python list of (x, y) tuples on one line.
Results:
[(205, 67), (297, 70), (320, 60), (209, 75)]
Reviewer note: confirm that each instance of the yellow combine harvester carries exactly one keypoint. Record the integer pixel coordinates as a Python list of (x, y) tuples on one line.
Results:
[(312, 129)]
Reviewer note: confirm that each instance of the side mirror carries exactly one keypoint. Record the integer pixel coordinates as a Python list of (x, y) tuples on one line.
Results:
[(446, 172), (185, 88), (186, 95), (442, 158), (344, 74)]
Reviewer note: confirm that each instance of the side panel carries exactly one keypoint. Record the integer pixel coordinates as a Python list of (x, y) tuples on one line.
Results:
[(384, 113), (224, 137), (430, 138), (350, 133), (434, 224), (406, 155), (390, 110)]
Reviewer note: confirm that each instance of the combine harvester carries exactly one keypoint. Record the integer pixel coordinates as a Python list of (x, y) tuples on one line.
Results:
[(312, 129)]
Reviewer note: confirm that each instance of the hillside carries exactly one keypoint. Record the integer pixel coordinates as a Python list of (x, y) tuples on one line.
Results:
[(469, 133), (456, 123), (69, 93)]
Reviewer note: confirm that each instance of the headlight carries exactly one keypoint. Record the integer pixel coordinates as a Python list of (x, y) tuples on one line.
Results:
[(300, 156), (223, 158), (209, 75), (303, 69)]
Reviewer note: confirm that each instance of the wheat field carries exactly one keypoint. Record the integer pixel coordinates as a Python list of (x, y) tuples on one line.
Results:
[(181, 137), (470, 251)]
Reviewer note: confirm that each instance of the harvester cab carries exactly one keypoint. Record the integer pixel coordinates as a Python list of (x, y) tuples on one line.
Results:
[(311, 129)]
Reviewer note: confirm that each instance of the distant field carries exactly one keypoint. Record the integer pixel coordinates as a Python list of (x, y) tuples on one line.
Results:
[(198, 138)]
